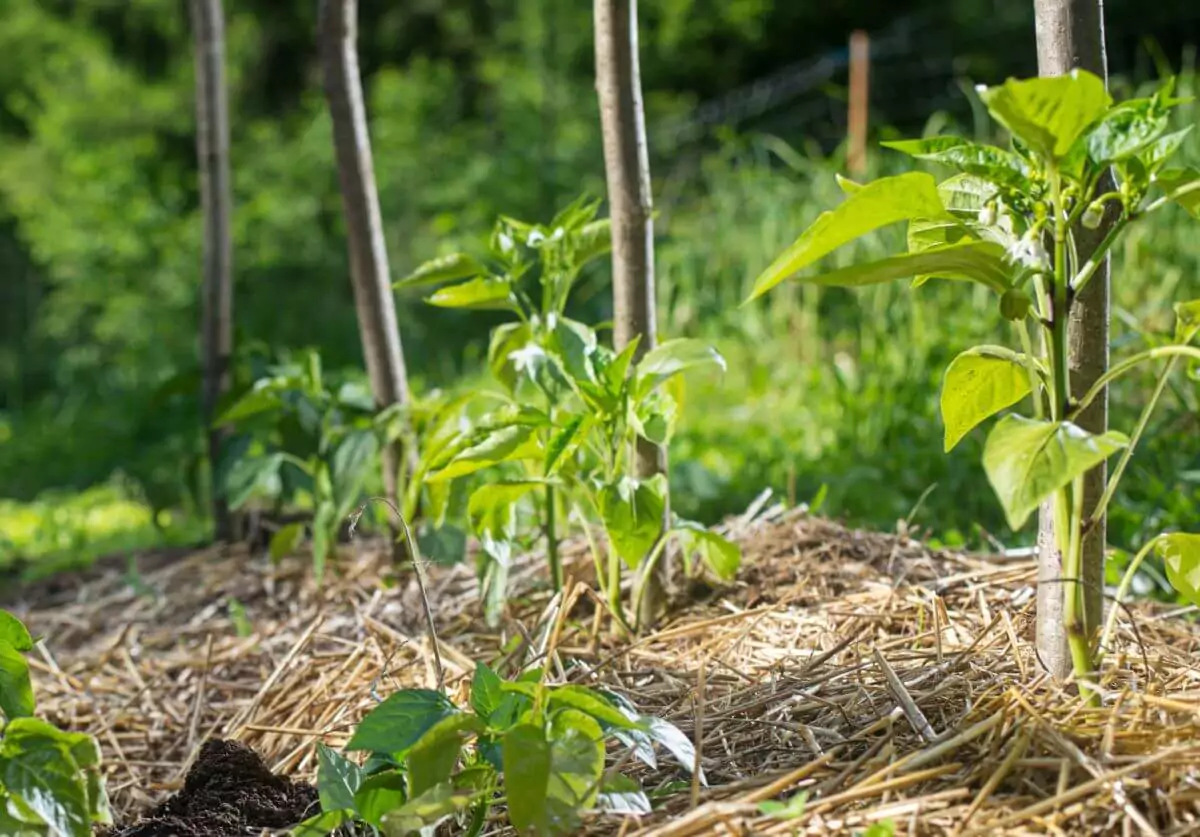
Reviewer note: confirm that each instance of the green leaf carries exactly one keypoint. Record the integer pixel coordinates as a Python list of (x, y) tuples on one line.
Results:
[(979, 261), (929, 233), (260, 399), (1049, 113), (979, 383), (526, 776), (576, 763), (400, 721), (592, 240), (492, 510), (1161, 150), (964, 195), (483, 294), (632, 512), (622, 795), (16, 690), (442, 269), (883, 828), (878, 204), (446, 545), (575, 344), (338, 779), (1187, 320), (285, 541), (324, 537), (721, 555), (587, 701), (564, 440), (485, 691), (656, 416), (1028, 460), (424, 812), (14, 632), (789, 810), (506, 339), (1180, 553), (379, 795), (322, 824), (432, 759), (671, 358), (1125, 130), (516, 441), (349, 467), (993, 164), (254, 477), (36, 765), (1186, 181)]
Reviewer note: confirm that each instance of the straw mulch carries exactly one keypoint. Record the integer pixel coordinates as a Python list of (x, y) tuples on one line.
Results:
[(886, 680)]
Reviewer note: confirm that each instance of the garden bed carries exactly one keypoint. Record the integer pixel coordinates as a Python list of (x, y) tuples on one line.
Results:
[(887, 680)]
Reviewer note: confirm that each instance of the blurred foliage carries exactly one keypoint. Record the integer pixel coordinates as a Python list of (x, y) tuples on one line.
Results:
[(482, 107)]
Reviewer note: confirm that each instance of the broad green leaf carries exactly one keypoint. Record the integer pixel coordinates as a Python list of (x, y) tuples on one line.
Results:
[(526, 777), (790, 810), (1187, 320), (379, 795), (400, 721), (485, 691), (1125, 130), (671, 358), (632, 512), (424, 812), (592, 240), (622, 795), (929, 233), (260, 399), (587, 701), (501, 445), (979, 383), (483, 294), (964, 195), (721, 555), (432, 759), (575, 344), (576, 763), (442, 269), (446, 545), (563, 442), (11, 826), (16, 690), (14, 632), (878, 204), (492, 510), (322, 824), (1049, 113), (36, 765), (1180, 553), (993, 164), (1027, 460), (285, 541), (253, 477), (338, 779), (349, 468), (1161, 150), (979, 261), (506, 339), (1184, 184), (656, 416)]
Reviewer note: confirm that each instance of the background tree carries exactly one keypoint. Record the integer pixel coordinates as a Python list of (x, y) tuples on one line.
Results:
[(627, 171), (369, 272), (1070, 35), (212, 149)]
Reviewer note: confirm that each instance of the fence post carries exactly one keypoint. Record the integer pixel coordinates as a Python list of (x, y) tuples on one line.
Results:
[(860, 65)]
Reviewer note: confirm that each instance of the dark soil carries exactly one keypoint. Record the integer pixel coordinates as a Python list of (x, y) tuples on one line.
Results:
[(229, 792)]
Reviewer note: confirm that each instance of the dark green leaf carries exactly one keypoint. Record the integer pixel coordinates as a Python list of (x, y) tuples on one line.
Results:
[(483, 294), (338, 779), (526, 777), (36, 765), (442, 269), (445, 545), (485, 691), (979, 383), (1028, 460), (993, 164), (254, 477), (400, 721), (632, 512), (261, 399), (1180, 553), (14, 632), (564, 440), (1048, 113), (1124, 131), (878, 204)]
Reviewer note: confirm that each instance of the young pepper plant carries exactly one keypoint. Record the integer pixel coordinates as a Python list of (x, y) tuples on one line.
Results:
[(50, 780), (568, 410), (538, 749), (1008, 221)]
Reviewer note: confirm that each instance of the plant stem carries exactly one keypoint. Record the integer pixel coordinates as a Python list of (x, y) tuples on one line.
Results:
[(552, 540), (1122, 591), (1124, 366), (1035, 380), (651, 562), (1096, 261)]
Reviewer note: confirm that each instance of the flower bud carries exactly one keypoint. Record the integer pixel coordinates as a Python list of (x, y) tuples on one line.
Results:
[(987, 215), (1093, 215), (1015, 304)]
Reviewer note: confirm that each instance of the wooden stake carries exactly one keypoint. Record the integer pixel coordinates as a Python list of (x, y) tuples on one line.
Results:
[(860, 69)]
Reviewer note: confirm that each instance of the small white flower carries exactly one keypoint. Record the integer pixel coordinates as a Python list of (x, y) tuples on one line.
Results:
[(1029, 252), (535, 238), (526, 357), (506, 243), (987, 215), (558, 234)]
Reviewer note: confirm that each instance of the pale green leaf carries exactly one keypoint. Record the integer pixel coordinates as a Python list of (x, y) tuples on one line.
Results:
[(721, 555), (1183, 184), (1027, 460), (432, 759), (442, 269), (423, 813), (1187, 320), (14, 632), (1180, 553), (285, 541), (993, 164), (483, 294), (979, 383), (587, 701), (1049, 113), (671, 358), (979, 261)]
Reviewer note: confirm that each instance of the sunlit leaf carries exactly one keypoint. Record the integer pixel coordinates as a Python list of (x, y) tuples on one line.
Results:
[(432, 759), (979, 383), (483, 294), (1125, 130), (506, 339), (563, 442), (424, 812), (16, 690), (1048, 113), (589, 702), (14, 632), (671, 358), (322, 824), (1187, 320), (1028, 460), (348, 469), (1183, 184), (485, 691), (985, 161), (493, 515), (1180, 553), (632, 512), (399, 722), (622, 795), (721, 555), (442, 269), (36, 765), (789, 810), (379, 795)]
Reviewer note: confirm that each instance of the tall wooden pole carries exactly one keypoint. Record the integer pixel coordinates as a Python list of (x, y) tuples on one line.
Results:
[(860, 86), (1070, 35), (627, 170), (212, 150), (369, 271)]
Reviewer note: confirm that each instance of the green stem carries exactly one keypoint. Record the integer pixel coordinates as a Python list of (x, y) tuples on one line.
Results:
[(1124, 366), (552, 540), (1096, 260), (1074, 619), (1035, 380), (1059, 362), (1186, 189), (647, 571), (1122, 591)]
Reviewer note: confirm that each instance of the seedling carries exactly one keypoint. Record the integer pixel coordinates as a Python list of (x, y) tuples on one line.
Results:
[(1008, 221)]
